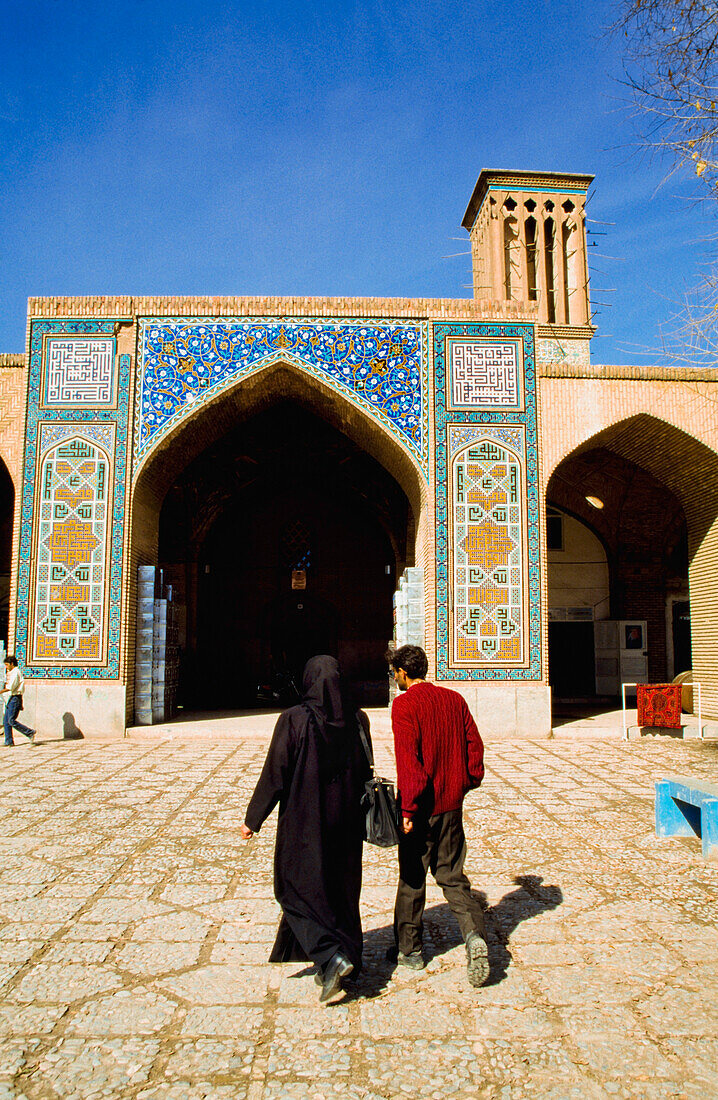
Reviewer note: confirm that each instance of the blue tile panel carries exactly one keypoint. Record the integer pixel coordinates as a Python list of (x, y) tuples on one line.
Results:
[(513, 435), (70, 560), (47, 430), (379, 366)]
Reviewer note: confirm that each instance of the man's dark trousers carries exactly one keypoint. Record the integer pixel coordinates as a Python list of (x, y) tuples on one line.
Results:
[(437, 844)]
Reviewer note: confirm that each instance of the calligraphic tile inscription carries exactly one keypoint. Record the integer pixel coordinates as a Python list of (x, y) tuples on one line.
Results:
[(484, 374), (488, 566), (71, 551), (79, 371)]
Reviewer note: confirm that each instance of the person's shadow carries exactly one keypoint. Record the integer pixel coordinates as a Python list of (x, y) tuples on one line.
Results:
[(70, 729), (441, 934)]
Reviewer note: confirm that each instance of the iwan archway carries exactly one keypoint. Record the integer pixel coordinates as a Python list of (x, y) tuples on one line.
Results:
[(281, 516), (423, 469)]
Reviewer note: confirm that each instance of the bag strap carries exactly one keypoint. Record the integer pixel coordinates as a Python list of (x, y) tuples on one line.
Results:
[(365, 743)]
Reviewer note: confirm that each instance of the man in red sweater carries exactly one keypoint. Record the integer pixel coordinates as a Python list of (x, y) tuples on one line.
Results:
[(439, 757)]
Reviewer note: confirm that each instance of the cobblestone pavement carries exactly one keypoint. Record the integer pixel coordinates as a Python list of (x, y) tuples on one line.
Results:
[(136, 927)]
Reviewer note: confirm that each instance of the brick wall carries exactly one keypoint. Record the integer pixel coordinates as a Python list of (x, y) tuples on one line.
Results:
[(276, 306)]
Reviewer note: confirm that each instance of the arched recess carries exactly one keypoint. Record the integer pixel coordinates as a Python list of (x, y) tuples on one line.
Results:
[(7, 515), (489, 544), (658, 487), (240, 409)]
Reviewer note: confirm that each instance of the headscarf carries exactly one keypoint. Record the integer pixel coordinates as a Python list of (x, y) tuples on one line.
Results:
[(333, 714), (322, 690)]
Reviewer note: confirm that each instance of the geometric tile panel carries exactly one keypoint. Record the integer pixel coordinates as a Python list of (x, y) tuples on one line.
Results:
[(79, 371), (380, 366), (71, 553), (488, 588), (488, 560), (69, 577), (484, 374)]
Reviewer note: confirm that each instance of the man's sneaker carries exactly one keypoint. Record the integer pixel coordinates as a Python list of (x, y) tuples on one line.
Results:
[(477, 959), (31, 736), (413, 961)]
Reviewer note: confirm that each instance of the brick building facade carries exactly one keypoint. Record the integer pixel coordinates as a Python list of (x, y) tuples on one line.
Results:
[(291, 468)]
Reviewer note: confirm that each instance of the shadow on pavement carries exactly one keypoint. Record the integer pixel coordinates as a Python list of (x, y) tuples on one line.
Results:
[(531, 898), (441, 934)]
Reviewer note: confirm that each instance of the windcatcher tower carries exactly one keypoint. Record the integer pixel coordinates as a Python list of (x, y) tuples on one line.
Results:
[(528, 244)]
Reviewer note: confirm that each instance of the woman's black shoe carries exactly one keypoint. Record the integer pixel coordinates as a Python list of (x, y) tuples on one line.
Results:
[(335, 971)]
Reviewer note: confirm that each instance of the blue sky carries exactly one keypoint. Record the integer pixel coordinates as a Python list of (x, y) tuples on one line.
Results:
[(216, 147)]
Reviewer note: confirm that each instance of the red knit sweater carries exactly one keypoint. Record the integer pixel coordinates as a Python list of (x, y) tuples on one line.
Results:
[(439, 751)]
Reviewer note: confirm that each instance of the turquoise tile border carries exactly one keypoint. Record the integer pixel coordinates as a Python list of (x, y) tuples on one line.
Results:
[(527, 418), (81, 417)]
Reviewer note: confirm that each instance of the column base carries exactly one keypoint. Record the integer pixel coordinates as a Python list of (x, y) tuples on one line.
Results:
[(72, 709), (506, 708)]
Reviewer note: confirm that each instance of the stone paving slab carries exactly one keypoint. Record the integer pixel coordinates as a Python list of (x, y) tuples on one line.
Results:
[(136, 927)]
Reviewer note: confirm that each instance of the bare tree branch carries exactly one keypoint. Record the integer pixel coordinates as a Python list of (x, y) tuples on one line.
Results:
[(671, 65), (672, 71)]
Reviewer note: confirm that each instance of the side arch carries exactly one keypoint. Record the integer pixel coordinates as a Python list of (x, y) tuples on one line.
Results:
[(685, 471), (684, 464)]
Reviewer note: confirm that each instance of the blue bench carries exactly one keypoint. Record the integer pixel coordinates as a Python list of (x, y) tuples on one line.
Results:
[(688, 807)]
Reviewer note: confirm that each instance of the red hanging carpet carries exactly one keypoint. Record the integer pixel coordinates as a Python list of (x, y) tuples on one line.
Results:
[(659, 705)]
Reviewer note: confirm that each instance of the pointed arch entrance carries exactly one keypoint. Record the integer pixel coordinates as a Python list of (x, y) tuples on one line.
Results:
[(649, 492), (275, 485)]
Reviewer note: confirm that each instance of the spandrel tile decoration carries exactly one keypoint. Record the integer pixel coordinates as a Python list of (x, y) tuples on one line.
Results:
[(381, 367), (464, 477)]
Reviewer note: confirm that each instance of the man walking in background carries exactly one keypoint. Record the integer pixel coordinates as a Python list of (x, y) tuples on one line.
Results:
[(439, 757), (12, 697)]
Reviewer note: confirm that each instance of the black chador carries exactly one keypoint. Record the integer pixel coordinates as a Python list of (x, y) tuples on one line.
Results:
[(316, 769)]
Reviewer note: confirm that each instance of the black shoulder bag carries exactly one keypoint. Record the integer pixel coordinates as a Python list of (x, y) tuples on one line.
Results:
[(379, 804)]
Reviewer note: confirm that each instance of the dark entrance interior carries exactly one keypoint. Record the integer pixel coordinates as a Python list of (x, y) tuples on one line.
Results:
[(7, 508), (682, 659), (571, 658), (282, 500)]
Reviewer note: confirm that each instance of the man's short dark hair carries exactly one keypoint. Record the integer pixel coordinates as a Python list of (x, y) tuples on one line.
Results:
[(11, 659), (412, 659)]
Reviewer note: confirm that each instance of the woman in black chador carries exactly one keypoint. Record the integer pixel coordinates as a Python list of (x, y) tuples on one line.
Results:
[(315, 769)]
